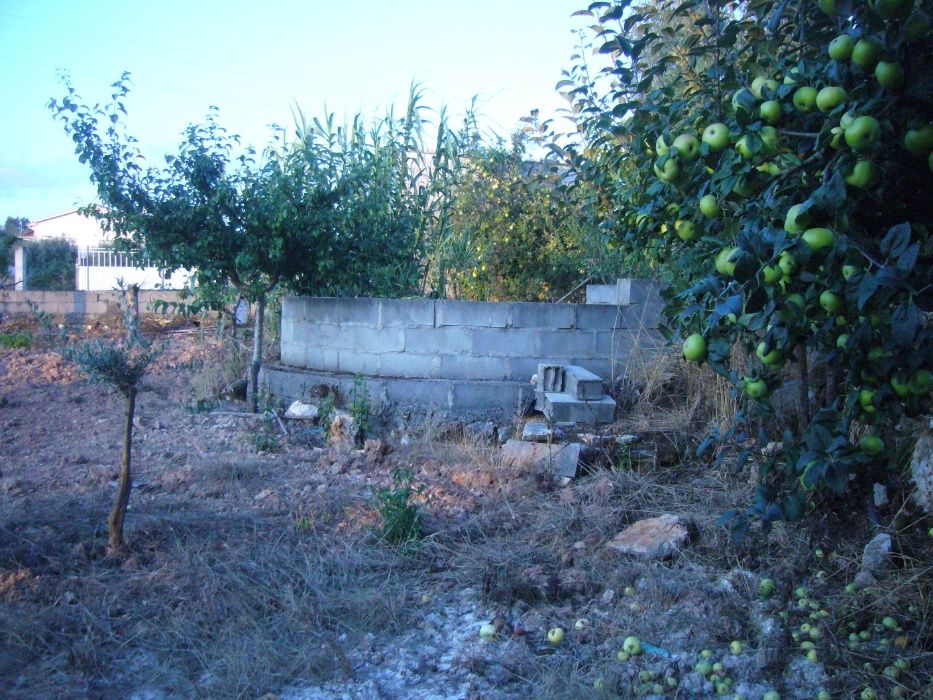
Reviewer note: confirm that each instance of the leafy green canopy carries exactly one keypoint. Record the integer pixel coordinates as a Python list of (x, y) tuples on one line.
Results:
[(813, 242), (305, 215)]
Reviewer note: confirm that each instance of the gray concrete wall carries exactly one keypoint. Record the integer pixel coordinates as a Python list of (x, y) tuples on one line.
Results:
[(14, 302), (456, 356)]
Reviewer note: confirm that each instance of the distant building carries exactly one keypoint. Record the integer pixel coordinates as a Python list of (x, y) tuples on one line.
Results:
[(98, 266)]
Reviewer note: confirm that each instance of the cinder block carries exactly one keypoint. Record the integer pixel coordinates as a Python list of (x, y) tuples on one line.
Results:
[(521, 369), (500, 397), (409, 365), (563, 408), (598, 317), (450, 340), (566, 344), (324, 359), (560, 460), (343, 311), (530, 314), (583, 384), (475, 314), (646, 315), (406, 313), (467, 367), (602, 294), (551, 377), (357, 362), (427, 394), (504, 342), (600, 366), (292, 353)]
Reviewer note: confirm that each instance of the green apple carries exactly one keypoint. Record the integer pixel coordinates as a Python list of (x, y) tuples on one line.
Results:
[(670, 172), (725, 266), (740, 96), (770, 140), (695, 347), (787, 262), (890, 74), (745, 186), (920, 382), (865, 53), (709, 206), (631, 646), (829, 98), (755, 388), (487, 631), (916, 27), (891, 9), (805, 98), (901, 387), (840, 48), (770, 111), (759, 84), (688, 147), (772, 169), (660, 146), (772, 359), (871, 444), (828, 7), (838, 136), (795, 222), (581, 624), (766, 587), (830, 302), (848, 271), (686, 230), (863, 175), (865, 399), (819, 238), (555, 635), (716, 136), (744, 149), (842, 341), (920, 140), (771, 273), (863, 132)]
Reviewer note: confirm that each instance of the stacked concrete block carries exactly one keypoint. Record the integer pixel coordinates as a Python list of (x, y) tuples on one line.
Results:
[(76, 304), (491, 349)]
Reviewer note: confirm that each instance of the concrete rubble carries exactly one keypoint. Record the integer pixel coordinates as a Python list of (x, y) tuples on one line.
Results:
[(653, 538)]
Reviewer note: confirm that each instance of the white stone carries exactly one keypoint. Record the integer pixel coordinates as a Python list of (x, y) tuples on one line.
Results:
[(301, 411)]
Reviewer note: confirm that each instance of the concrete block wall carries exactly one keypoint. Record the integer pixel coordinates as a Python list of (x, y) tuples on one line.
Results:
[(18, 302), (458, 356)]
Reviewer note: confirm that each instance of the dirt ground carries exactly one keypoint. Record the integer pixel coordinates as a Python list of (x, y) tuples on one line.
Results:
[(255, 566)]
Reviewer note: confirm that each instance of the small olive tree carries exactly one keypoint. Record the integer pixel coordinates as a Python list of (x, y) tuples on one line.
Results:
[(122, 365)]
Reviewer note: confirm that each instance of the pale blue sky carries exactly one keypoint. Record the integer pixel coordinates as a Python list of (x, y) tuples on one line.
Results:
[(255, 61)]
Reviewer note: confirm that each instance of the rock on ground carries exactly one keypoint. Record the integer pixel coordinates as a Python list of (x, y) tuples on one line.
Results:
[(653, 538)]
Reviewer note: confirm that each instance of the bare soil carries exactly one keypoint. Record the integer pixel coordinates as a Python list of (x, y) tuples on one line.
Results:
[(255, 566)]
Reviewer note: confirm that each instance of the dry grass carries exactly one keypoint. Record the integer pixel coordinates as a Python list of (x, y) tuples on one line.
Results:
[(205, 604)]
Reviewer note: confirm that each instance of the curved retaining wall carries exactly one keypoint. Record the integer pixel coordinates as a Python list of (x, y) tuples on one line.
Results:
[(458, 357)]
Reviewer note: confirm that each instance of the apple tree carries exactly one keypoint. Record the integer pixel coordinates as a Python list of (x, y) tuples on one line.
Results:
[(772, 160), (292, 218)]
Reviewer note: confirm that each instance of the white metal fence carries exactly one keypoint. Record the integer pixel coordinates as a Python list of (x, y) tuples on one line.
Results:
[(102, 268)]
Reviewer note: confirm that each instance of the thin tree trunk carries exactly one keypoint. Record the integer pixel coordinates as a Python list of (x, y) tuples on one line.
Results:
[(132, 312), (252, 387), (832, 384), (115, 521), (803, 396)]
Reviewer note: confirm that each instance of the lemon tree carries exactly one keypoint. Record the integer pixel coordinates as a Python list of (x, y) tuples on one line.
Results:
[(792, 142)]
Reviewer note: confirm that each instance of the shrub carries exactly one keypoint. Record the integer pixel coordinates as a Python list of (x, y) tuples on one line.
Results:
[(50, 265)]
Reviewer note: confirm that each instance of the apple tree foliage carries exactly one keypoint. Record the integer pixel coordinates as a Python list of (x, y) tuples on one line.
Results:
[(815, 245)]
